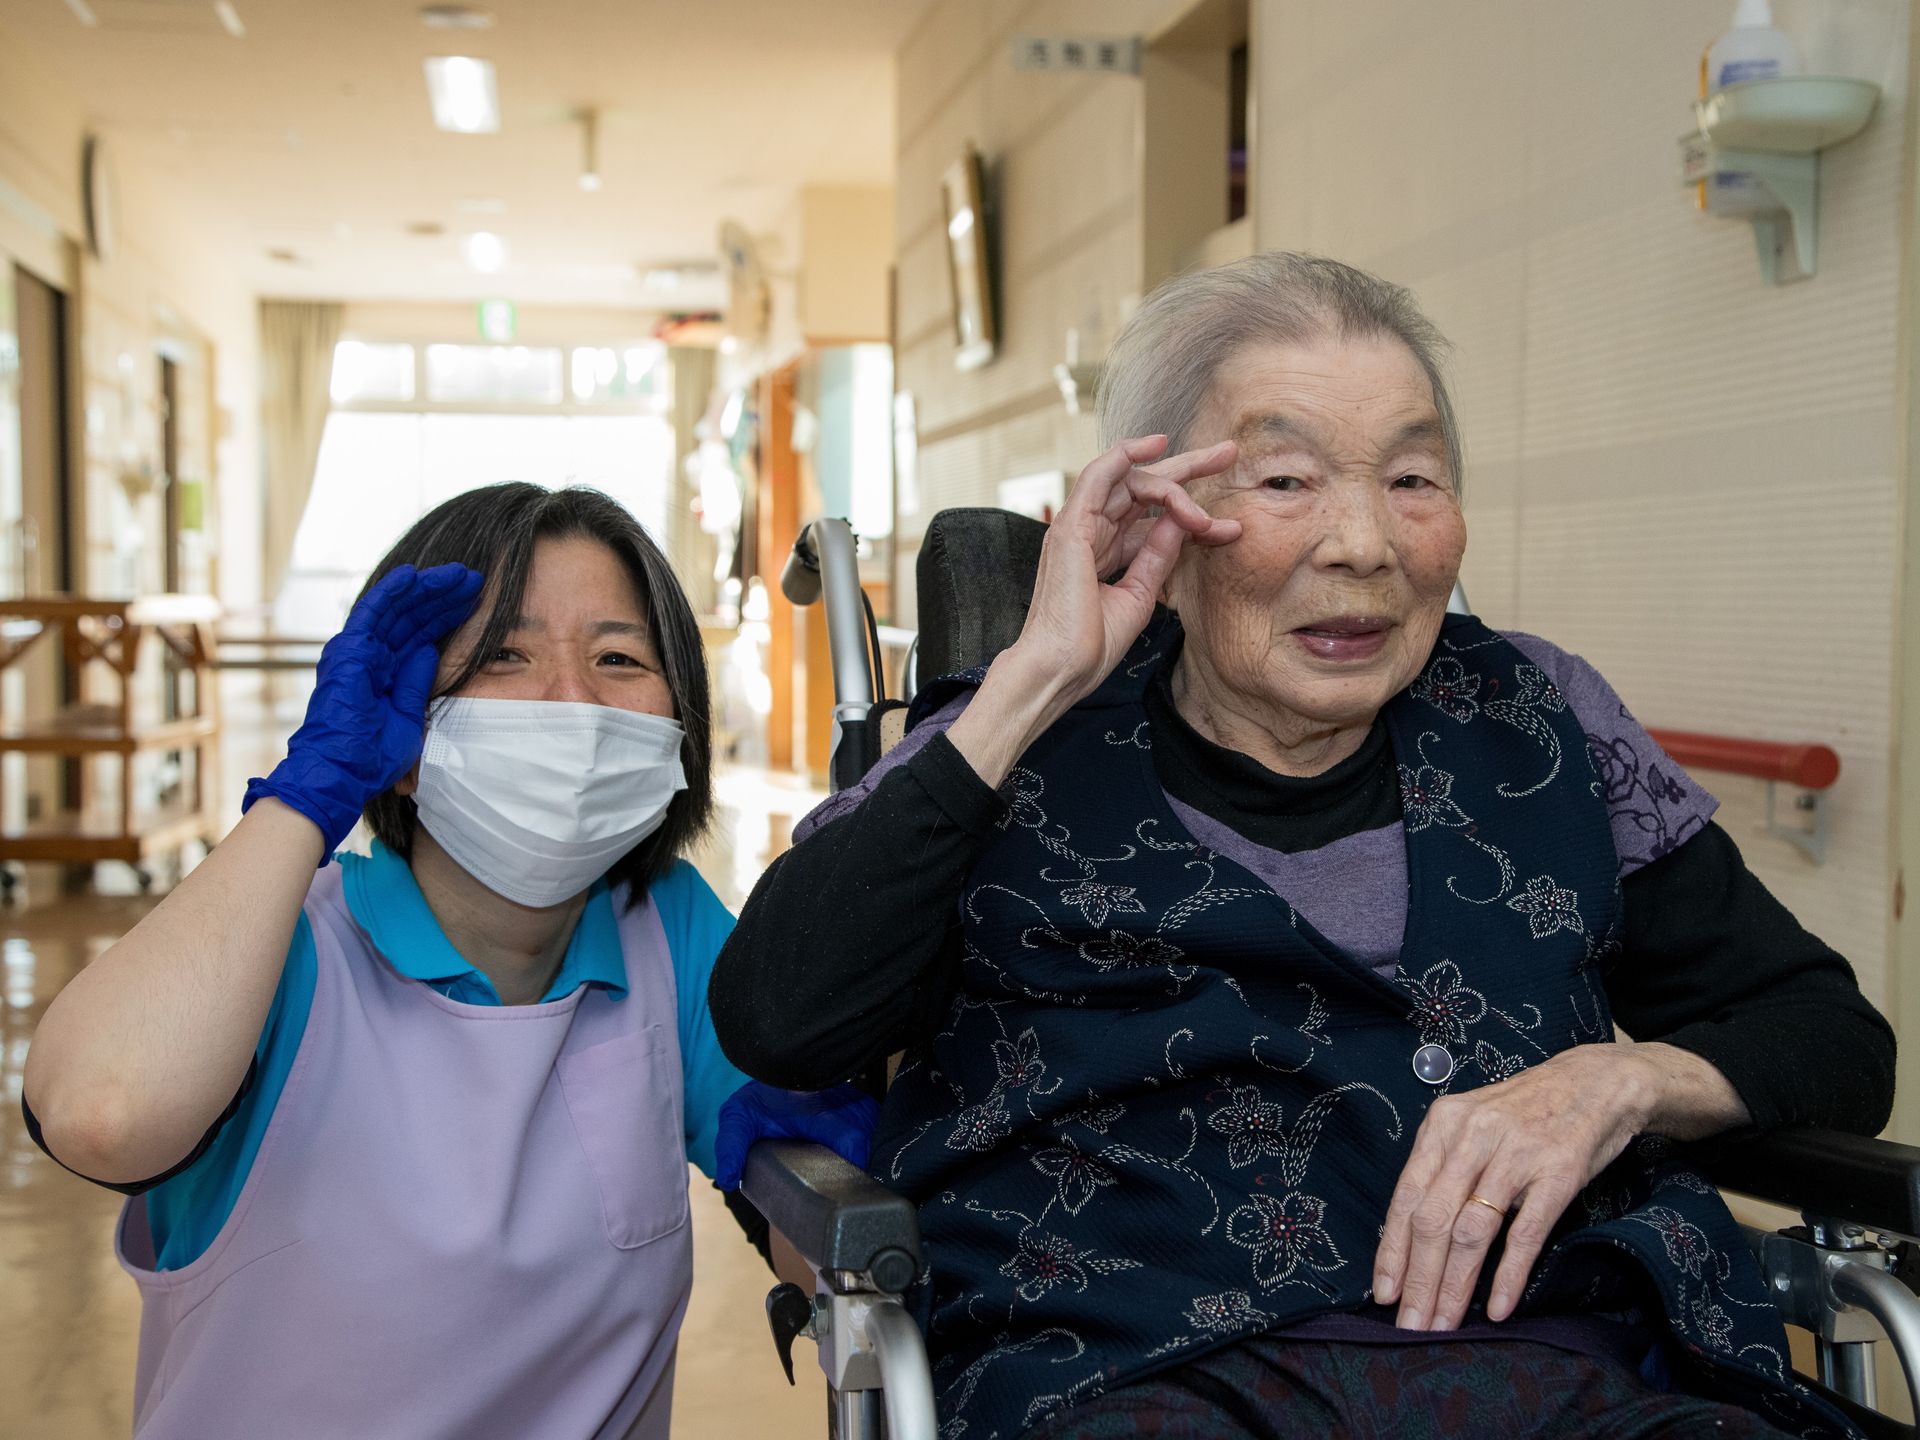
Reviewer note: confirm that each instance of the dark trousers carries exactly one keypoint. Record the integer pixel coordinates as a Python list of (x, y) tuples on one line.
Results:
[(1272, 1388)]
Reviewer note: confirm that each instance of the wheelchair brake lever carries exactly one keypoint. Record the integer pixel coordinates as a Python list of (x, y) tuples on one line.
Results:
[(789, 1315)]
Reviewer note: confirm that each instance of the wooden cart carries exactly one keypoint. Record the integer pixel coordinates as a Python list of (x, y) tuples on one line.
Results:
[(114, 634)]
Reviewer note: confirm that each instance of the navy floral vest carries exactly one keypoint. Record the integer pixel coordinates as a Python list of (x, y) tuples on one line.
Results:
[(1165, 1114)]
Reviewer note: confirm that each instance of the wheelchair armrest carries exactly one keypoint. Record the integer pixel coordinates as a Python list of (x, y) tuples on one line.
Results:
[(841, 1220), (1875, 1183)]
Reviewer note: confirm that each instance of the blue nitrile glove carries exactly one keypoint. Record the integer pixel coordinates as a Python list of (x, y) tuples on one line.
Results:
[(842, 1119), (367, 719)]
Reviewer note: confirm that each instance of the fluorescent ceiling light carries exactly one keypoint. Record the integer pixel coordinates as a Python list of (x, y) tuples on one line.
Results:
[(455, 17), (589, 150), (464, 97), (486, 252), (229, 19)]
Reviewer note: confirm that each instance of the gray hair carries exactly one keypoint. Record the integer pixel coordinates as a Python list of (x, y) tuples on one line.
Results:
[(1162, 364)]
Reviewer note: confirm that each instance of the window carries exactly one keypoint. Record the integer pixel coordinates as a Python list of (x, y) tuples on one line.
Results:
[(490, 413), (635, 372), (362, 371), (494, 374)]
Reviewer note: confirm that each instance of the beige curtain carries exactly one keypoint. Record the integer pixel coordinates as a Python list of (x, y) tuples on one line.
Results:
[(296, 367), (688, 546)]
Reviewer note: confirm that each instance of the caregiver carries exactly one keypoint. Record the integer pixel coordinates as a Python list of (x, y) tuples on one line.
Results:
[(406, 1140)]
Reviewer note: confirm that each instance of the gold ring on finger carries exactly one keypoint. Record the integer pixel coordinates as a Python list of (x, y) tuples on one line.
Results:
[(1482, 1200)]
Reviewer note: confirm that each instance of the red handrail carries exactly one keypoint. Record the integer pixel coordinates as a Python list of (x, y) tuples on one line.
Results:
[(1813, 767)]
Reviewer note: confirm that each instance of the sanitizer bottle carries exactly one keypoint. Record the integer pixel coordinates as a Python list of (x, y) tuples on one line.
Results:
[(1751, 50)]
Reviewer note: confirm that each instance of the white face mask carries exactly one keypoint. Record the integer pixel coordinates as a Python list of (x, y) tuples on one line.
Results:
[(537, 798)]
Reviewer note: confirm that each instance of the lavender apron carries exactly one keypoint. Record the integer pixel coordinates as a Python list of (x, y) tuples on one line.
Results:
[(463, 1220)]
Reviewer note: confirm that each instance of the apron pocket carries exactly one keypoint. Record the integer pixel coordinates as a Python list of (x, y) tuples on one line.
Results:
[(624, 1100)]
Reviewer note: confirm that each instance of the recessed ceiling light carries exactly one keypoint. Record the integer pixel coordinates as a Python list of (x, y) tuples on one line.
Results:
[(486, 252), (465, 98), (455, 17)]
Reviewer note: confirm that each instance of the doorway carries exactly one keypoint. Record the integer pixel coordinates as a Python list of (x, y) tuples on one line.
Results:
[(35, 542)]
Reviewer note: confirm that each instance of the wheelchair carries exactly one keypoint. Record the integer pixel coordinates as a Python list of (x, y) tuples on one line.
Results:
[(1846, 1274)]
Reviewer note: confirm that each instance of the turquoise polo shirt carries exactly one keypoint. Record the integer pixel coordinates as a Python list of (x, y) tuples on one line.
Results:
[(186, 1211)]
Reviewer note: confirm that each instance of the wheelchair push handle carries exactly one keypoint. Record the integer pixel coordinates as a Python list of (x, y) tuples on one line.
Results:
[(800, 576), (824, 565)]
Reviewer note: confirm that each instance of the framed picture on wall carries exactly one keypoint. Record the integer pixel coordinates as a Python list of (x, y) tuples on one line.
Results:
[(962, 192)]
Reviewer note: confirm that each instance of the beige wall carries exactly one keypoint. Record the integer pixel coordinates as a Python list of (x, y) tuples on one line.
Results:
[(846, 247), (1686, 476), (536, 324), (1682, 474), (168, 287), (1064, 151)]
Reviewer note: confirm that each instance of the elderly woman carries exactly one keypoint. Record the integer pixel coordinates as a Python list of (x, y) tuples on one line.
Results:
[(1258, 957)]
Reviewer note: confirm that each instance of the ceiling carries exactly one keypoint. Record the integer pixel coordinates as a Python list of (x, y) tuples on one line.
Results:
[(311, 133)]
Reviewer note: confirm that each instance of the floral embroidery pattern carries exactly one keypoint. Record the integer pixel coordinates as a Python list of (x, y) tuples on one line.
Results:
[(1444, 1005), (1426, 798), (1018, 1061), (982, 1126), (1450, 688), (1534, 692), (1252, 1127), (1078, 1174), (1022, 790), (1229, 1310), (1096, 1117), (1714, 1322), (1096, 901), (1640, 798), (1686, 1243), (1549, 908), (1045, 1261), (1494, 1065), (1426, 793), (1284, 1235), (1122, 947)]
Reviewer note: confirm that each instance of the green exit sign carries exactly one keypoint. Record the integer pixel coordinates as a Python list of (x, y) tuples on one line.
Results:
[(499, 321)]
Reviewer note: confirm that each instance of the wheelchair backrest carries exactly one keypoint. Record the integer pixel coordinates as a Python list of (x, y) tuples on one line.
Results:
[(974, 578)]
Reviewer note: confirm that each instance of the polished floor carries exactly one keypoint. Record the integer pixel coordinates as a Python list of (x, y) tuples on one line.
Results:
[(69, 1317)]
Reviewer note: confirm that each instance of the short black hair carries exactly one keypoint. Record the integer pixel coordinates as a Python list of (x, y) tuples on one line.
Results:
[(493, 530)]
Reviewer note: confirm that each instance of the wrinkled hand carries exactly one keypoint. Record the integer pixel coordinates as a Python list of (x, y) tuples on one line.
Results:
[(1078, 627), (367, 719), (1529, 1143), (842, 1119)]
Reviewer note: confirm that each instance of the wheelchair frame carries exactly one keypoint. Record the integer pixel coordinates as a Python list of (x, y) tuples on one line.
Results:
[(1846, 1273)]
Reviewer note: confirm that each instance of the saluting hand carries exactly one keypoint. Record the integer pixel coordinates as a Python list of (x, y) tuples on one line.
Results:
[(367, 719)]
